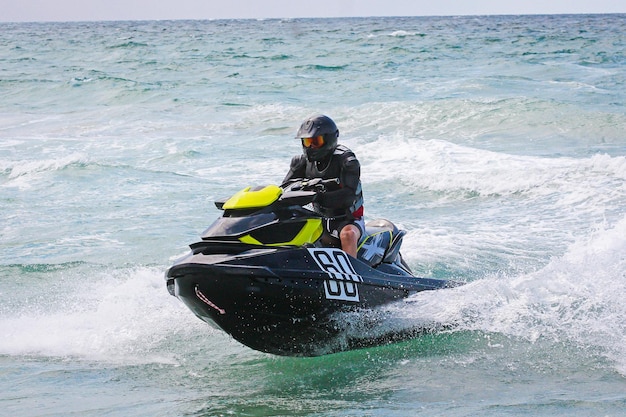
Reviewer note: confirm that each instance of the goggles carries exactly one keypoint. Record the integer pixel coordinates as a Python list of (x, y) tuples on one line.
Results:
[(314, 142)]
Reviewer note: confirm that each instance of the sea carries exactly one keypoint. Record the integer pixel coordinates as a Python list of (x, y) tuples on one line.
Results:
[(497, 142)]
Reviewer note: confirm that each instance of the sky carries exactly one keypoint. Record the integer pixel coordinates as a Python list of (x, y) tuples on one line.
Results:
[(96, 10)]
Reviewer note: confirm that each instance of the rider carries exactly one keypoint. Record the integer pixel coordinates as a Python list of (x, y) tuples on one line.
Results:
[(322, 157)]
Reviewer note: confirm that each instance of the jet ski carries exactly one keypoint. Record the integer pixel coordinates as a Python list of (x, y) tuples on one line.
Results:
[(267, 274)]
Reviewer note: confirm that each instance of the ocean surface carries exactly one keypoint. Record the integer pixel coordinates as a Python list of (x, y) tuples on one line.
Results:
[(498, 143)]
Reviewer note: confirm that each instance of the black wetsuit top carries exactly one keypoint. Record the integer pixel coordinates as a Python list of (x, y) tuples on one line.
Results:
[(346, 199)]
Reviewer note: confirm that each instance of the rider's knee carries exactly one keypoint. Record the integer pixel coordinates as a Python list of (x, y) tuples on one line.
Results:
[(350, 233)]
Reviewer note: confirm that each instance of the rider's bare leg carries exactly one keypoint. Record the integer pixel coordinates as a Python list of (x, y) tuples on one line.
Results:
[(349, 237)]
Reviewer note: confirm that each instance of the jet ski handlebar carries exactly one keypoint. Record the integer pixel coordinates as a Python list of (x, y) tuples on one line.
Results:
[(317, 185)]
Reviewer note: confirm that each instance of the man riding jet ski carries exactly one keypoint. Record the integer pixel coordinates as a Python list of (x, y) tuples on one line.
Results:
[(323, 158), (283, 266)]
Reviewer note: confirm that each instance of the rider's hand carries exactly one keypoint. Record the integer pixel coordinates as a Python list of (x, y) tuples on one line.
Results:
[(320, 197)]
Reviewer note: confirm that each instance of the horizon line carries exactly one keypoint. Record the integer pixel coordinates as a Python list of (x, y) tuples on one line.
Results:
[(309, 17)]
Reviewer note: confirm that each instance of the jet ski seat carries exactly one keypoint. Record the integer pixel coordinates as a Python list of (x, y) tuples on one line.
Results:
[(381, 242)]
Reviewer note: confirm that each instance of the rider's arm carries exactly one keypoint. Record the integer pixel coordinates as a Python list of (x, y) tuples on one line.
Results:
[(297, 168), (344, 197)]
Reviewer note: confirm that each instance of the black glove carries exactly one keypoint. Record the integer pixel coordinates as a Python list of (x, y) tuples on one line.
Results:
[(320, 197)]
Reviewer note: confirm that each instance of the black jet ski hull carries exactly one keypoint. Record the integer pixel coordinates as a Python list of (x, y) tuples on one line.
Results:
[(286, 301)]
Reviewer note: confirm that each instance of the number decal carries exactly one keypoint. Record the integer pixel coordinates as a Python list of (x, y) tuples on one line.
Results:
[(342, 284)]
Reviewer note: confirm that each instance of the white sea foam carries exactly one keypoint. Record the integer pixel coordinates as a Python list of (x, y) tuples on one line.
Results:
[(481, 210), (27, 167), (443, 166), (125, 316), (577, 299)]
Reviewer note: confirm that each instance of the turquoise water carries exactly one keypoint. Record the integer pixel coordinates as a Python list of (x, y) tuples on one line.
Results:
[(497, 142)]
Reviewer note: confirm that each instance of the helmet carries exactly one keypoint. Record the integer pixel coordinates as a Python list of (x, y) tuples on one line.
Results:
[(319, 125)]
